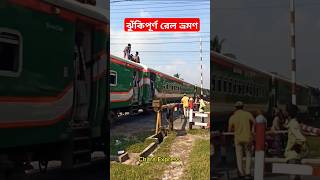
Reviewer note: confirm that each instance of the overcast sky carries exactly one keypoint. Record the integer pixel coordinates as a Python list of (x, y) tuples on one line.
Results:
[(257, 32), (168, 52)]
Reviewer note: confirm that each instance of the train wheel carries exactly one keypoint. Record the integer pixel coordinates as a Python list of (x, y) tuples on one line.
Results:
[(43, 165)]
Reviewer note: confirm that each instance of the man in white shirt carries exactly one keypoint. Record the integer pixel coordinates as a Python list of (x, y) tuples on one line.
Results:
[(126, 51)]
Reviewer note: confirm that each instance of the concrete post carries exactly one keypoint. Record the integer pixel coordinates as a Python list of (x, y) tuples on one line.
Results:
[(259, 150)]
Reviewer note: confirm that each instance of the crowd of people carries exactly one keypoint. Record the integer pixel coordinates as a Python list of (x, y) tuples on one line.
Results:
[(242, 123), (127, 54), (198, 104)]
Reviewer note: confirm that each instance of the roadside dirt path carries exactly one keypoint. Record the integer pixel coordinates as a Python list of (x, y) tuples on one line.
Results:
[(181, 148)]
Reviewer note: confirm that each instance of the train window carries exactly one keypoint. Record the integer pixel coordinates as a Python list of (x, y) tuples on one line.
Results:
[(219, 85), (242, 89), (225, 88), (235, 87), (246, 90), (253, 90), (230, 86), (10, 52), (113, 78)]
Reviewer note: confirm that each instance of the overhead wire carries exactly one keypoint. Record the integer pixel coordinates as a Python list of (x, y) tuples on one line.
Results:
[(179, 42), (161, 7), (169, 10), (171, 51), (157, 3)]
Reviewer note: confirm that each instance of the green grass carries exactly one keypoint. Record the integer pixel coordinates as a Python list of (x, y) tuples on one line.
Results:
[(147, 170), (199, 161), (313, 142), (135, 143), (201, 132)]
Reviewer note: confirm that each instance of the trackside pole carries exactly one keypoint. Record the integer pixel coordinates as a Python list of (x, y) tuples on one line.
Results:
[(190, 114), (158, 123), (259, 151)]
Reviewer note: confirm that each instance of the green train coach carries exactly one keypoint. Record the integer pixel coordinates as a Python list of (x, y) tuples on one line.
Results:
[(52, 72), (232, 81), (133, 86)]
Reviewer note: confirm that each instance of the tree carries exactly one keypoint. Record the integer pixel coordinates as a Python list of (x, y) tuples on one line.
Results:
[(216, 44), (177, 75)]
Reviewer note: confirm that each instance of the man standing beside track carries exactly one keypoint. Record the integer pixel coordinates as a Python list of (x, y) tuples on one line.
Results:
[(241, 122), (185, 105)]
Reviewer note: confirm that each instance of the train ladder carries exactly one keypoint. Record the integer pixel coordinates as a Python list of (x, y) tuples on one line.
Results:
[(81, 145)]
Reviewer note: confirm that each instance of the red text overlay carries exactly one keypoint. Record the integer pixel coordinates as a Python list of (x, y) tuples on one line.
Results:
[(161, 24)]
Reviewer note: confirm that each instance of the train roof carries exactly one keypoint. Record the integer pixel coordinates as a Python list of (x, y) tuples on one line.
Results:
[(171, 77), (139, 65), (233, 61), (81, 8)]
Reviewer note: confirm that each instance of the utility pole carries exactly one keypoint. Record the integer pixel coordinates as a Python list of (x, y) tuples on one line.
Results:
[(201, 77), (293, 51)]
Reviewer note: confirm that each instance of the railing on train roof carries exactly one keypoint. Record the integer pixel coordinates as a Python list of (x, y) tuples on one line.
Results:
[(147, 68)]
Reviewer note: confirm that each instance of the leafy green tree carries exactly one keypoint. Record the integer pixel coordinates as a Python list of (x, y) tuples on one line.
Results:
[(216, 44), (177, 75)]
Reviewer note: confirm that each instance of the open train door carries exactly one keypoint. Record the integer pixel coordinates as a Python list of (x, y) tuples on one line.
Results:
[(152, 85), (135, 92), (78, 151), (83, 73)]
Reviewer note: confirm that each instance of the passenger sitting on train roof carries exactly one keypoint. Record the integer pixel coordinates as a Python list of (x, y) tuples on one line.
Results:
[(131, 57), (136, 57)]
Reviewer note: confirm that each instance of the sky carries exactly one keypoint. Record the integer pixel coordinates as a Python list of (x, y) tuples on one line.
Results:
[(257, 32), (184, 48)]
